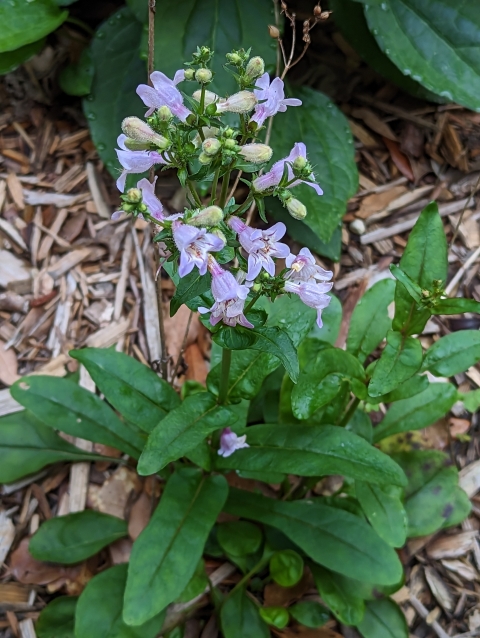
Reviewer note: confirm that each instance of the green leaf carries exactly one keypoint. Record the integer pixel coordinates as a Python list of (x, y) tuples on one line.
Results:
[(334, 538), (332, 319), (239, 538), (189, 287), (197, 584), (57, 619), (383, 619), (309, 613), (66, 406), (27, 22), (384, 512), (10, 60), (453, 353), (27, 445), (76, 79), (345, 605), (436, 43), (166, 553), (410, 286), (370, 321), (75, 537), (99, 609), (118, 71), (401, 358), (286, 567), (275, 616), (455, 306), (291, 314), (182, 430), (471, 400), (140, 9), (326, 133), (416, 384), (309, 450), (131, 387), (417, 412), (239, 617)]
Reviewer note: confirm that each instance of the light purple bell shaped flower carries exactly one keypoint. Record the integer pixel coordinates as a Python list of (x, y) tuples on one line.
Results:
[(230, 442), (312, 295), (194, 245), (273, 95), (274, 175), (261, 246), (134, 161), (303, 268), (164, 93), (155, 206)]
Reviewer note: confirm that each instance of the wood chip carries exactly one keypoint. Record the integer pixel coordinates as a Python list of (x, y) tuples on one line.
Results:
[(451, 545), (8, 365), (13, 269), (469, 478), (98, 192), (7, 534), (438, 588), (463, 569), (372, 120), (16, 191), (12, 233)]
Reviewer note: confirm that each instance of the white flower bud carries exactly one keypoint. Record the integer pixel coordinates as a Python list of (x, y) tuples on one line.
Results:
[(207, 132), (230, 144), (210, 216), (134, 195), (139, 131), (204, 76), (203, 158), (299, 163), (296, 209), (189, 74), (234, 58), (211, 146), (255, 67), (241, 102), (210, 97), (256, 153), (164, 114)]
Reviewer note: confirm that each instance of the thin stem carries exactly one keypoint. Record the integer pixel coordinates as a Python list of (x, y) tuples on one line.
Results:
[(202, 104), (252, 303), (256, 568), (460, 219), (234, 187), (151, 37), (245, 205), (194, 193), (182, 349), (224, 375), (350, 412), (214, 185), (223, 195)]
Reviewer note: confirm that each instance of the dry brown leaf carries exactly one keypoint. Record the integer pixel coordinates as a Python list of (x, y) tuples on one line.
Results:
[(139, 515), (8, 365), (27, 570), (120, 551), (277, 596), (175, 328), (197, 368), (458, 426), (113, 495), (400, 160)]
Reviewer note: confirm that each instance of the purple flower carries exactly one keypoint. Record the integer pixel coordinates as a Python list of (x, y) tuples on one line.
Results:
[(134, 161), (312, 295), (261, 246), (164, 93), (194, 245), (303, 268), (274, 175), (230, 442), (155, 206), (274, 99)]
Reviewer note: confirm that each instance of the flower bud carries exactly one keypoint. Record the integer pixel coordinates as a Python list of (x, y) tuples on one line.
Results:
[(210, 216), (134, 196), (241, 102), (229, 132), (299, 163), (234, 58), (296, 209), (164, 114), (230, 145), (220, 234), (210, 97), (256, 153), (273, 32), (139, 131), (203, 158), (211, 146), (256, 287), (133, 145), (189, 74), (255, 67), (204, 76)]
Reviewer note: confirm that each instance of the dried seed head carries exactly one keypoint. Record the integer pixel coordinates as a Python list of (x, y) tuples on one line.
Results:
[(317, 10), (325, 15), (273, 31)]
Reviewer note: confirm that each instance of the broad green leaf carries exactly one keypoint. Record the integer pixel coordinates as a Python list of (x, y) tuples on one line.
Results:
[(370, 321), (455, 306), (410, 286), (332, 319), (333, 538), (345, 605), (436, 43), (76, 79), (57, 619), (421, 466), (10, 60), (140, 9), (361, 424), (182, 430), (188, 288), (291, 314), (286, 567), (416, 384), (424, 260), (471, 400), (401, 358), (118, 71), (453, 353), (26, 22), (320, 380), (384, 512), (417, 412), (131, 387), (309, 613), (99, 609), (197, 584), (383, 619), (326, 133), (309, 450), (275, 616), (239, 538), (239, 616), (27, 445), (66, 406), (166, 553), (75, 537)]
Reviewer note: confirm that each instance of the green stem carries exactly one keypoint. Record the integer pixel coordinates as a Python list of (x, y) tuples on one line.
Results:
[(224, 375), (202, 105), (350, 412), (252, 303), (245, 206), (223, 195), (194, 193), (214, 185), (260, 565)]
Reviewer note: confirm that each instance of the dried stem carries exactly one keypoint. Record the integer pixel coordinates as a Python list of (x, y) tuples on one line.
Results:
[(467, 202), (182, 349)]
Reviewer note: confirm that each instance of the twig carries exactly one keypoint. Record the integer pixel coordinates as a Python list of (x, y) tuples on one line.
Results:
[(234, 187), (182, 349), (423, 612), (461, 271), (472, 193)]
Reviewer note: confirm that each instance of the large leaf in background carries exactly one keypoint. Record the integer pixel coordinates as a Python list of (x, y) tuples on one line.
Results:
[(345, 605), (75, 537), (99, 609), (223, 26), (189, 287), (454, 353), (436, 42), (312, 451), (182, 430), (383, 619), (401, 358), (66, 406), (25, 22), (325, 131), (332, 320), (239, 617), (76, 78), (418, 412), (57, 619), (131, 387), (384, 512), (27, 445), (333, 538), (166, 554), (10, 60), (370, 321), (118, 72)]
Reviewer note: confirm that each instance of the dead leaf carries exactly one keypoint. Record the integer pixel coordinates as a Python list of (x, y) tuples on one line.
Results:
[(120, 551), (400, 160), (412, 140), (458, 426), (139, 515), (197, 368), (113, 495), (27, 570), (8, 365), (277, 596), (372, 120), (175, 328)]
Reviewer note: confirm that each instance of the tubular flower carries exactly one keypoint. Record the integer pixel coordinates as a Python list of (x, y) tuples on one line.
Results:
[(312, 295), (303, 268), (230, 442), (164, 93), (241, 102), (155, 206), (194, 245), (274, 175), (256, 153), (273, 99), (134, 161), (140, 131)]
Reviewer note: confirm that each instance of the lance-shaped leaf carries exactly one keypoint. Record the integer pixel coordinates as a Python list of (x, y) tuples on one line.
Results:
[(26, 22), (454, 353), (384, 511), (131, 387), (309, 450), (333, 538), (345, 605), (165, 555), (66, 406), (183, 430), (455, 306), (416, 384), (57, 619), (189, 287), (383, 619), (239, 616), (410, 286), (401, 358)]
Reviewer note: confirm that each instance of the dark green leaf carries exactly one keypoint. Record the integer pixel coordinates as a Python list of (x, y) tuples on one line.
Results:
[(291, 314), (182, 430), (345, 605), (76, 79), (10, 60), (401, 358), (140, 9), (416, 384), (332, 319), (384, 512), (410, 286), (27, 22), (383, 619), (75, 537), (66, 406), (166, 553), (275, 341), (197, 584), (57, 619), (239, 538), (361, 424), (286, 567), (471, 400), (275, 616), (189, 287), (309, 613), (334, 538), (239, 617), (455, 306), (133, 389), (453, 353), (237, 338)]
